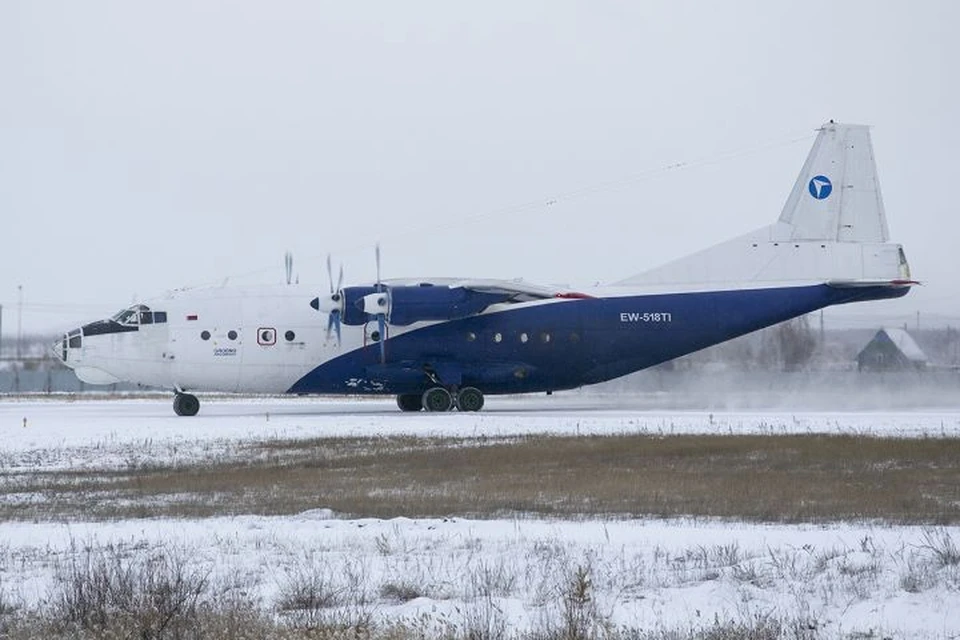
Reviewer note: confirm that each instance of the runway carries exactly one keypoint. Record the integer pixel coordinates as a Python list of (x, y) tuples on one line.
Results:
[(52, 433)]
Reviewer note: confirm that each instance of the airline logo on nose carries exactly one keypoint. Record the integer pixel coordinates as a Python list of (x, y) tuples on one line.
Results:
[(820, 187)]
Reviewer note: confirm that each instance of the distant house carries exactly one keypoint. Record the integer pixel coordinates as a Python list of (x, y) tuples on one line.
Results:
[(891, 350)]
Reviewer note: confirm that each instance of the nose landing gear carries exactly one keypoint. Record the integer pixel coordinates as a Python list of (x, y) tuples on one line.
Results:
[(409, 402), (185, 404)]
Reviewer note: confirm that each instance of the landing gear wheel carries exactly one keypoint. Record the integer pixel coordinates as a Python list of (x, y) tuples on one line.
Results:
[(410, 402), (185, 404), (437, 399), (470, 399)]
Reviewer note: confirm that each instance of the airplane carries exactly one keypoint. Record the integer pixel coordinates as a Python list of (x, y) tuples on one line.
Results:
[(440, 344)]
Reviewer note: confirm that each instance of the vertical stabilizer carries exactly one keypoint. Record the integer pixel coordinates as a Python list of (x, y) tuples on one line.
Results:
[(837, 195)]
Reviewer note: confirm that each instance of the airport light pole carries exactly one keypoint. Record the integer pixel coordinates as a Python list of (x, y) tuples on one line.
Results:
[(19, 321)]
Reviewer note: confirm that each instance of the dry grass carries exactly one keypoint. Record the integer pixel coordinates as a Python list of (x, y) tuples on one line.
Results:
[(794, 478), (166, 591)]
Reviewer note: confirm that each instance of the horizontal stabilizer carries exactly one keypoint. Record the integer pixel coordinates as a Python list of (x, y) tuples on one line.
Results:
[(856, 284)]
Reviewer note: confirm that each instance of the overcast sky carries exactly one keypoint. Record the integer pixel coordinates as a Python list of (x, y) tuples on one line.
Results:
[(149, 146)]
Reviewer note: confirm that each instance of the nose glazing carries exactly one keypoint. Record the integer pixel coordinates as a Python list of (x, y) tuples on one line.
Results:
[(59, 349), (70, 342)]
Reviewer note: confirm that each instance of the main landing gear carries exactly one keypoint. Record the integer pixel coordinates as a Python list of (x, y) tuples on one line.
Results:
[(185, 404), (440, 399)]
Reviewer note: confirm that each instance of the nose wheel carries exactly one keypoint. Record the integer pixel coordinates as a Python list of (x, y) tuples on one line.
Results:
[(410, 402), (185, 404)]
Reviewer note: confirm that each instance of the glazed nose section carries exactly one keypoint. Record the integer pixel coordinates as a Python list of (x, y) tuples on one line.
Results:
[(59, 349), (68, 349)]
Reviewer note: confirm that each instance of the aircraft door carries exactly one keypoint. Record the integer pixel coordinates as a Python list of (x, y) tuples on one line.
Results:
[(207, 347)]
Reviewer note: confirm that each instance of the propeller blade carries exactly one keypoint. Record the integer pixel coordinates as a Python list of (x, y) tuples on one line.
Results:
[(330, 273), (340, 279), (381, 317), (382, 326), (333, 324)]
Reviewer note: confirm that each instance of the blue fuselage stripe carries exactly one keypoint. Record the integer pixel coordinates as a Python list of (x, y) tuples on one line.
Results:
[(570, 343)]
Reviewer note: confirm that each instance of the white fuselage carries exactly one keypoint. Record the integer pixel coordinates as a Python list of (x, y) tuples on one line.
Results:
[(232, 339)]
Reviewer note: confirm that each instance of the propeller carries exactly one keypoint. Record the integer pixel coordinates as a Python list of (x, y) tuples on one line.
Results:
[(288, 263), (333, 316), (373, 305), (381, 316)]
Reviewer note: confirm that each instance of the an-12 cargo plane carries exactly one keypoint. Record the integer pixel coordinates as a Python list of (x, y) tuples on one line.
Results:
[(439, 344)]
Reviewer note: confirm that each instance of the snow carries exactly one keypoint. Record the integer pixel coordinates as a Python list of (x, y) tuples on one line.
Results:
[(40, 434), (906, 344), (646, 574), (842, 579)]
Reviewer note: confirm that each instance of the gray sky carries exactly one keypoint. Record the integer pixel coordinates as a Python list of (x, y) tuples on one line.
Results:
[(148, 146)]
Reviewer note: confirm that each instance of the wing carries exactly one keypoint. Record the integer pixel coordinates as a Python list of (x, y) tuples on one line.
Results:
[(518, 290)]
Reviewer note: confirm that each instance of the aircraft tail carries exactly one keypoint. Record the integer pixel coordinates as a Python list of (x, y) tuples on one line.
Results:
[(833, 228), (837, 194)]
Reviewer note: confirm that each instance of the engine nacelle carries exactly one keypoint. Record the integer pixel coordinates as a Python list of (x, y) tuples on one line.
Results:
[(353, 306)]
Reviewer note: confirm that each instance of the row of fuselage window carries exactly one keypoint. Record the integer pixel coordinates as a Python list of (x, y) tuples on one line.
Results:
[(264, 338), (544, 338), (290, 336)]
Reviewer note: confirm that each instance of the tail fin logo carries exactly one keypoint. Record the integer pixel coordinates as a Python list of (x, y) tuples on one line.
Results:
[(820, 187)]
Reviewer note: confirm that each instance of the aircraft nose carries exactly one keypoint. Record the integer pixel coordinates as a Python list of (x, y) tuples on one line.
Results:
[(67, 349), (59, 349)]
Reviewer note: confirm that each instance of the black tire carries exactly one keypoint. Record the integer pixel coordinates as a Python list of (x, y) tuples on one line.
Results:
[(177, 405), (185, 404), (470, 399), (410, 402), (437, 399)]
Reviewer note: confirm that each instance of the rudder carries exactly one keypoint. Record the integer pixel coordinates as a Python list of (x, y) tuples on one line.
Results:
[(837, 195)]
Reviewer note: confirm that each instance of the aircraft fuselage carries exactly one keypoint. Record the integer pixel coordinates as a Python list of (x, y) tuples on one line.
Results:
[(269, 340)]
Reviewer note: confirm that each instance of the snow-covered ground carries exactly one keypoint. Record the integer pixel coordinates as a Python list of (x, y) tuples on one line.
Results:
[(840, 580), (51, 434), (843, 580)]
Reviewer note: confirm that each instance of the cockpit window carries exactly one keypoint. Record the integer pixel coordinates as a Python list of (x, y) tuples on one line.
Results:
[(137, 314), (127, 316)]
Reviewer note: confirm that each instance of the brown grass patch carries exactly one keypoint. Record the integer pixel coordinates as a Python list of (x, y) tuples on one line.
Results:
[(795, 478)]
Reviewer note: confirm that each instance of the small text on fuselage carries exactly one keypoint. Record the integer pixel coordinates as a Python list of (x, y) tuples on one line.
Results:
[(646, 316)]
